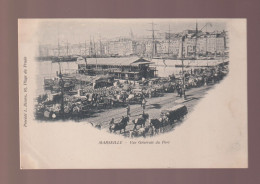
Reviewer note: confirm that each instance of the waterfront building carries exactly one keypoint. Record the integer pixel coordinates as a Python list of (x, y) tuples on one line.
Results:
[(128, 68)]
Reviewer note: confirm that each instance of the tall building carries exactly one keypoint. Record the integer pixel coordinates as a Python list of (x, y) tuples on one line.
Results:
[(120, 47)]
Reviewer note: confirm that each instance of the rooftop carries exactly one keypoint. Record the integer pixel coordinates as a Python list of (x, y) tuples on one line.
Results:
[(122, 61)]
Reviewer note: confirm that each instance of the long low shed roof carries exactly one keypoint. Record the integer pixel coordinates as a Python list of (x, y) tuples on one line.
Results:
[(135, 61)]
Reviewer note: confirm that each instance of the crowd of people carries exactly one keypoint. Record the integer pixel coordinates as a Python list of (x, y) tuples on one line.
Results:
[(123, 93)]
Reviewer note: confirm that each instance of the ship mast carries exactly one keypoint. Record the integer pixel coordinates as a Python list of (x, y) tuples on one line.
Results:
[(216, 36), (80, 53), (206, 45), (67, 47), (95, 53), (100, 43), (85, 51), (91, 48), (206, 40), (196, 39), (85, 54), (169, 40), (58, 47), (153, 40)]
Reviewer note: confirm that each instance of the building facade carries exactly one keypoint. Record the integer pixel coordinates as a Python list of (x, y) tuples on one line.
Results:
[(165, 44), (128, 68)]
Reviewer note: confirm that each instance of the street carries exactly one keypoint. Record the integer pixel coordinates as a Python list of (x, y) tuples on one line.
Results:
[(153, 108)]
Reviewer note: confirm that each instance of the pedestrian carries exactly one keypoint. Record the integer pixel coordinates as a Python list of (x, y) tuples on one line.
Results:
[(180, 92), (205, 81), (124, 98), (112, 121), (144, 104), (128, 110), (122, 119), (150, 93)]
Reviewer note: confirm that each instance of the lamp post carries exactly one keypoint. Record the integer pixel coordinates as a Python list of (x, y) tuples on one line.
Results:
[(182, 62), (61, 83)]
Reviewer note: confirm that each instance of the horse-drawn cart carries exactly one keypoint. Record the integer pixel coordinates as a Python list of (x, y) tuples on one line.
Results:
[(175, 113)]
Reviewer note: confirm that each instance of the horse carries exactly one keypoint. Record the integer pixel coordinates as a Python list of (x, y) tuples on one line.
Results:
[(119, 126), (157, 124), (140, 121)]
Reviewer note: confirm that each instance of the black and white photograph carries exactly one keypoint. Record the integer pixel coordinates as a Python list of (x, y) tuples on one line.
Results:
[(135, 87)]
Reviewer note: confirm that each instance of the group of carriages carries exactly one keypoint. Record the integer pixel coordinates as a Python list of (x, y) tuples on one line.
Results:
[(144, 126), (199, 77), (85, 101)]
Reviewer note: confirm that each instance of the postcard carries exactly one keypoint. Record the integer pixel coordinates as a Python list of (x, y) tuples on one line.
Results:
[(132, 93)]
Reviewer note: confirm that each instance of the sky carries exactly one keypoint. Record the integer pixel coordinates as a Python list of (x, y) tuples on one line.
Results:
[(79, 30)]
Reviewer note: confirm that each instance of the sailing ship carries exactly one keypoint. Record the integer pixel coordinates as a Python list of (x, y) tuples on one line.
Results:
[(66, 58)]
